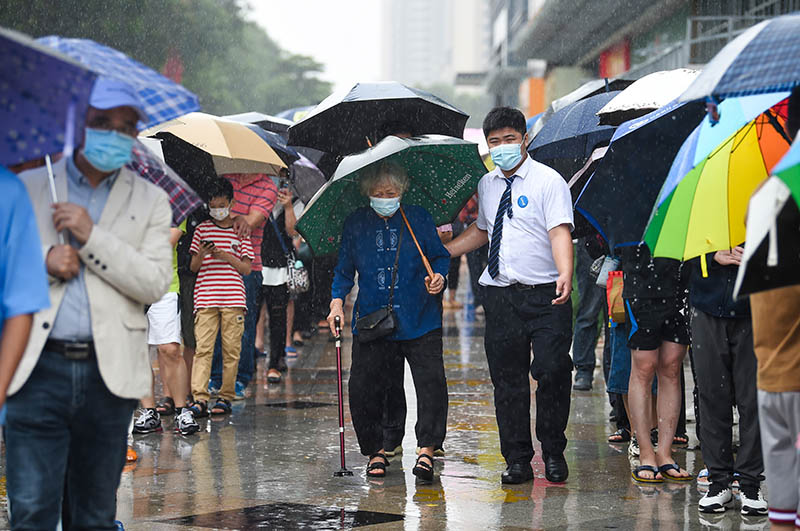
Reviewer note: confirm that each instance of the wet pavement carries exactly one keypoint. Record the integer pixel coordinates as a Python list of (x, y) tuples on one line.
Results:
[(270, 464)]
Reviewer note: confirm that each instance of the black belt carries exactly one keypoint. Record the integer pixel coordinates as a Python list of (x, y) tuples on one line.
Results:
[(72, 350), (524, 287)]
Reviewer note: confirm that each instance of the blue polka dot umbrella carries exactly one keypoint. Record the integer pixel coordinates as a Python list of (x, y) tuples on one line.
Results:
[(43, 98)]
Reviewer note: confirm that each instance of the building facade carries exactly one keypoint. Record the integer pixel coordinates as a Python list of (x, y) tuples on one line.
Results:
[(542, 49)]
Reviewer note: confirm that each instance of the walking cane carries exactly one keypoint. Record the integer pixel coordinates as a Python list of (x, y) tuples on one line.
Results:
[(343, 470)]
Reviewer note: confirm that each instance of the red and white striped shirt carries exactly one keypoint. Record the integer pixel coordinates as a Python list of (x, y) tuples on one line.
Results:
[(218, 283)]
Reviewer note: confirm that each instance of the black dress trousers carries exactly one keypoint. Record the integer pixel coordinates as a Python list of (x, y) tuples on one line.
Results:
[(517, 319)]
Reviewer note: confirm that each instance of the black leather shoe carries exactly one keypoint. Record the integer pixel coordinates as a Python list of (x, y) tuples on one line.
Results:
[(517, 473), (555, 468), (582, 383)]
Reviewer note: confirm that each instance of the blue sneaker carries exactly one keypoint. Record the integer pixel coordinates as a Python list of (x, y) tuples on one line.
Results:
[(213, 391), (239, 391), (119, 525)]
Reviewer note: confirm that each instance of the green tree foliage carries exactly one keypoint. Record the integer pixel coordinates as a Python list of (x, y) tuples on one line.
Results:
[(229, 62)]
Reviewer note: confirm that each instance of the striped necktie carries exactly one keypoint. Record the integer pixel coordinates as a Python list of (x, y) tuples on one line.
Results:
[(497, 231)]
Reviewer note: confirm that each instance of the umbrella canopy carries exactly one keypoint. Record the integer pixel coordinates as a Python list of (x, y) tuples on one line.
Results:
[(350, 120), (588, 89), (295, 114), (306, 179), (182, 199), (619, 196), (772, 254), (705, 211), (444, 173), (646, 94), (264, 121), (163, 99), (287, 153), (568, 139), (760, 60), (233, 146), (44, 97)]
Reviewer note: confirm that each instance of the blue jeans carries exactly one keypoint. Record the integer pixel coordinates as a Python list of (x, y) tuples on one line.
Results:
[(65, 428), (589, 306), (247, 356)]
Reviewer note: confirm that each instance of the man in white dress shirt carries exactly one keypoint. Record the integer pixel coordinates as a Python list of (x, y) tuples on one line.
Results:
[(525, 214)]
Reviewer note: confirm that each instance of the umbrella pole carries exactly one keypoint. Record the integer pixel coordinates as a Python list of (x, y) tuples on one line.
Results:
[(53, 195), (425, 261), (343, 470)]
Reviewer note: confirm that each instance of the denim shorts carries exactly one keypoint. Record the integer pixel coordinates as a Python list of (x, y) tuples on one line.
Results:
[(620, 372)]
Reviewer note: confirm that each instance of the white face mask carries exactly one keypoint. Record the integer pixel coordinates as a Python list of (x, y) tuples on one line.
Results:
[(219, 213)]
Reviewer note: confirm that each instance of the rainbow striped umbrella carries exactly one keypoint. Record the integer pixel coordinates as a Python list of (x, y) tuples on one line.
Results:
[(702, 210)]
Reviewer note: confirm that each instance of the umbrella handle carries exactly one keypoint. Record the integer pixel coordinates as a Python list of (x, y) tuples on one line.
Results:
[(425, 261)]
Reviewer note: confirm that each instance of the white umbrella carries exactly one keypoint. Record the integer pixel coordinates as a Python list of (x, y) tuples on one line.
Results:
[(765, 272), (649, 93)]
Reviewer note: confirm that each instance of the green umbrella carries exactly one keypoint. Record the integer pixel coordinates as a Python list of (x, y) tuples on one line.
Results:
[(444, 173)]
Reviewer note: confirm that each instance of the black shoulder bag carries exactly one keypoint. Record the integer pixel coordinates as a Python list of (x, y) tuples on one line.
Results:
[(380, 323)]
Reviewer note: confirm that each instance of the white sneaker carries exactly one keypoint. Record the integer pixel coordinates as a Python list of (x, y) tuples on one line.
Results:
[(633, 447), (148, 421), (753, 503), (185, 423), (716, 500), (702, 478)]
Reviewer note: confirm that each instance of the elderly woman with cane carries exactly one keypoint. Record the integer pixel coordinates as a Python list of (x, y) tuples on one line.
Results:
[(397, 313)]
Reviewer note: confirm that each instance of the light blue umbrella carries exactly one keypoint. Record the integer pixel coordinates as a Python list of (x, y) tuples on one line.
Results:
[(163, 98), (43, 98)]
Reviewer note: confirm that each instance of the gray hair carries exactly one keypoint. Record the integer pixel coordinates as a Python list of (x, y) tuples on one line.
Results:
[(385, 172)]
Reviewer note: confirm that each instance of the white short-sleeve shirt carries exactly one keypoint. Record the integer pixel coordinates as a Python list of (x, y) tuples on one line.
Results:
[(541, 201)]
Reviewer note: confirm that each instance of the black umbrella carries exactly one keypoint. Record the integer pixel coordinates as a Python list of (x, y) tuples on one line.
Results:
[(570, 136), (619, 196), (350, 121)]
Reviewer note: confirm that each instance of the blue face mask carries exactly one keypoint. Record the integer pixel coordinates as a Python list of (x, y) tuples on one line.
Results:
[(385, 206), (506, 156), (107, 150)]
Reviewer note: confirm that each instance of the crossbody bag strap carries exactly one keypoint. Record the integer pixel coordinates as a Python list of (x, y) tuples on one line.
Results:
[(394, 267), (278, 234)]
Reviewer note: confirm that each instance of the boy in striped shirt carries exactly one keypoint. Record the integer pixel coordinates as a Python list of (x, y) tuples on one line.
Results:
[(220, 258)]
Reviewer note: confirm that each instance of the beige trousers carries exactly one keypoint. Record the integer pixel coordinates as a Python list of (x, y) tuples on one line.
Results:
[(207, 322)]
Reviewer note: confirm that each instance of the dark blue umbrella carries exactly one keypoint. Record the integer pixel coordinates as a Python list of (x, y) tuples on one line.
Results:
[(43, 99), (287, 153), (568, 138), (619, 196), (762, 59), (163, 99), (264, 121)]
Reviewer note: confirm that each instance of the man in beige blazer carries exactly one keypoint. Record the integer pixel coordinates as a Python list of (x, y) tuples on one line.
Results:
[(86, 363)]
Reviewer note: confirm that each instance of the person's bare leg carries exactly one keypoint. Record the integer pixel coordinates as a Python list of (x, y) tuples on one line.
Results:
[(289, 322), (643, 368), (262, 312), (173, 372), (670, 365)]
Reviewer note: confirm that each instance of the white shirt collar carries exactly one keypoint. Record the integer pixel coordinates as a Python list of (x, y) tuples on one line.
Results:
[(521, 172)]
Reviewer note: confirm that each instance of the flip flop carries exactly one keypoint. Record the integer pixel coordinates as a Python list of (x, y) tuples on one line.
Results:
[(291, 352), (620, 436), (635, 474), (674, 466)]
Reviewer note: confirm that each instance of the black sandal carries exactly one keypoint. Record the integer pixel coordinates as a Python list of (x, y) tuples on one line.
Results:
[(423, 470), (199, 408), (620, 436), (680, 439), (221, 407), (377, 465), (166, 406)]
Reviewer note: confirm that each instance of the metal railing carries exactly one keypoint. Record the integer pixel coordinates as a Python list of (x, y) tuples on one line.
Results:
[(705, 37)]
